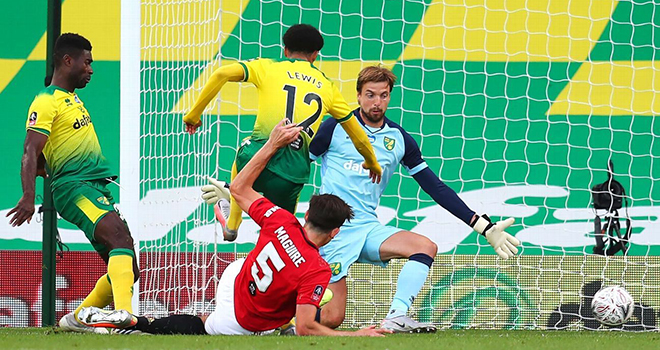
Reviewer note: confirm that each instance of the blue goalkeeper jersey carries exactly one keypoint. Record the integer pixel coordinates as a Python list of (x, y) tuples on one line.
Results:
[(341, 165)]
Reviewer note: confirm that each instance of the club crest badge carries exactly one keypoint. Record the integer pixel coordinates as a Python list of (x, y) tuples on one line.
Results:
[(103, 200), (335, 268), (389, 143)]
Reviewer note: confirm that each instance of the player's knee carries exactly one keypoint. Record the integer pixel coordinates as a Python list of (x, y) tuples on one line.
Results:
[(426, 251), (431, 248), (426, 246), (121, 242), (121, 238), (113, 232), (332, 319), (332, 316)]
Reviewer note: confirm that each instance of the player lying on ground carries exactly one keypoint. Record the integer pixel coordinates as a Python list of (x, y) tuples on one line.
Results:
[(294, 89), (283, 276), (60, 126), (364, 239)]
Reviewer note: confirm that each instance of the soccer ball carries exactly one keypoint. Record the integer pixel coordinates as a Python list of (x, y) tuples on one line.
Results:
[(612, 305)]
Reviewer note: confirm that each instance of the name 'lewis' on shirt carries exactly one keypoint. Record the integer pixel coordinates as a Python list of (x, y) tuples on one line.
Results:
[(303, 77)]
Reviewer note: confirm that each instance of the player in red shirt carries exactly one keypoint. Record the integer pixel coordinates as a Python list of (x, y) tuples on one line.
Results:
[(282, 277)]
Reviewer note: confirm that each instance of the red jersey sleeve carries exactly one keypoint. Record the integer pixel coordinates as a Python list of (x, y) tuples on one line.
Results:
[(262, 209), (313, 285)]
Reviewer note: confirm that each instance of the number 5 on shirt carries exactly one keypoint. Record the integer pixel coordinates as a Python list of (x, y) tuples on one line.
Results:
[(269, 252)]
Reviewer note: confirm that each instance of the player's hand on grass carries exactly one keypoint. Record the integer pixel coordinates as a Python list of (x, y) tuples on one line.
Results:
[(22, 212), (372, 331), (284, 134), (504, 244), (375, 172), (215, 191)]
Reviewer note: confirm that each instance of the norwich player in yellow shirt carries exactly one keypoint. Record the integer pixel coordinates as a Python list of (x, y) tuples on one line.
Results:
[(60, 127), (293, 89)]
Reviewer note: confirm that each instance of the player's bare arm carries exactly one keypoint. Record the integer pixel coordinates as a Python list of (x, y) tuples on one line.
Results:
[(306, 325), (241, 187), (232, 72), (34, 144)]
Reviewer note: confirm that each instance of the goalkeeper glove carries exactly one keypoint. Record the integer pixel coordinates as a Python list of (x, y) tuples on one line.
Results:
[(503, 243), (215, 191)]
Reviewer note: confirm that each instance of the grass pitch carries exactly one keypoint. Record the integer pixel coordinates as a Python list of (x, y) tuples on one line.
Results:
[(49, 338)]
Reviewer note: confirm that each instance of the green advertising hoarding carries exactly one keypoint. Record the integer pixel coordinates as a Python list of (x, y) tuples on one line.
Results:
[(530, 292)]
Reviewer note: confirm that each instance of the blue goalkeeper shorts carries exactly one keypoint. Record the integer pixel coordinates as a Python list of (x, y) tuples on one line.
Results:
[(356, 242)]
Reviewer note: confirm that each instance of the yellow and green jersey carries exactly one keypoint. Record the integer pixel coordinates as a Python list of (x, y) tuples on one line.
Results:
[(298, 91), (72, 151)]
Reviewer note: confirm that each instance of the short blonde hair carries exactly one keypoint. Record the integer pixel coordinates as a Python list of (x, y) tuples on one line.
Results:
[(375, 74)]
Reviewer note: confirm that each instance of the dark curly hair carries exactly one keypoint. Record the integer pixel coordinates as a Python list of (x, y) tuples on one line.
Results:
[(303, 38)]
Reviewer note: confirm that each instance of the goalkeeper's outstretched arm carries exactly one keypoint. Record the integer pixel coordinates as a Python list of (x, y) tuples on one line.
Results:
[(503, 243), (232, 72), (444, 195)]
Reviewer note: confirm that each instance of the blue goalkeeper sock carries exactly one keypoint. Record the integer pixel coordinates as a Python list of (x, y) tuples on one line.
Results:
[(410, 282)]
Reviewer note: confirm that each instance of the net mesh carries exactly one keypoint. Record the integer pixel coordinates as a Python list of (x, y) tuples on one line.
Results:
[(516, 105)]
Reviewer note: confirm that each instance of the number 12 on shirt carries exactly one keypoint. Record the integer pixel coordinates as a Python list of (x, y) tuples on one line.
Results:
[(306, 124)]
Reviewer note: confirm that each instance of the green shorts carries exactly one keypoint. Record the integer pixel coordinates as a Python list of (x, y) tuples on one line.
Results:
[(277, 189), (84, 204)]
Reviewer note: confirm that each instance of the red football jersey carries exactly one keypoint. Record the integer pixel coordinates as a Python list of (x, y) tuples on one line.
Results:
[(284, 269)]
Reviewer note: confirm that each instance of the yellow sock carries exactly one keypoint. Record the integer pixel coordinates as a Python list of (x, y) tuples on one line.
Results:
[(235, 212), (120, 271), (289, 324), (235, 216), (100, 296)]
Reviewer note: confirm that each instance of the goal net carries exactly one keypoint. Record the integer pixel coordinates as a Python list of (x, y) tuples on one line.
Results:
[(518, 105)]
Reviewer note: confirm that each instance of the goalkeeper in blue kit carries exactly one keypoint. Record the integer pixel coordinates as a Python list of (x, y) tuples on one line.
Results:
[(364, 239)]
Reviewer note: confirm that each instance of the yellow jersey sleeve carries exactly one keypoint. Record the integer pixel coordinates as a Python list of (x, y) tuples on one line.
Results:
[(41, 114), (339, 108), (232, 72), (255, 70), (344, 115)]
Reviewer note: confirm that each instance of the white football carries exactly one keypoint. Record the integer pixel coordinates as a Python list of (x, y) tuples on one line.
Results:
[(612, 305)]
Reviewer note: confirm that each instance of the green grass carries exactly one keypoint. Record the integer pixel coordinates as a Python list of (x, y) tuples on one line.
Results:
[(47, 338)]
